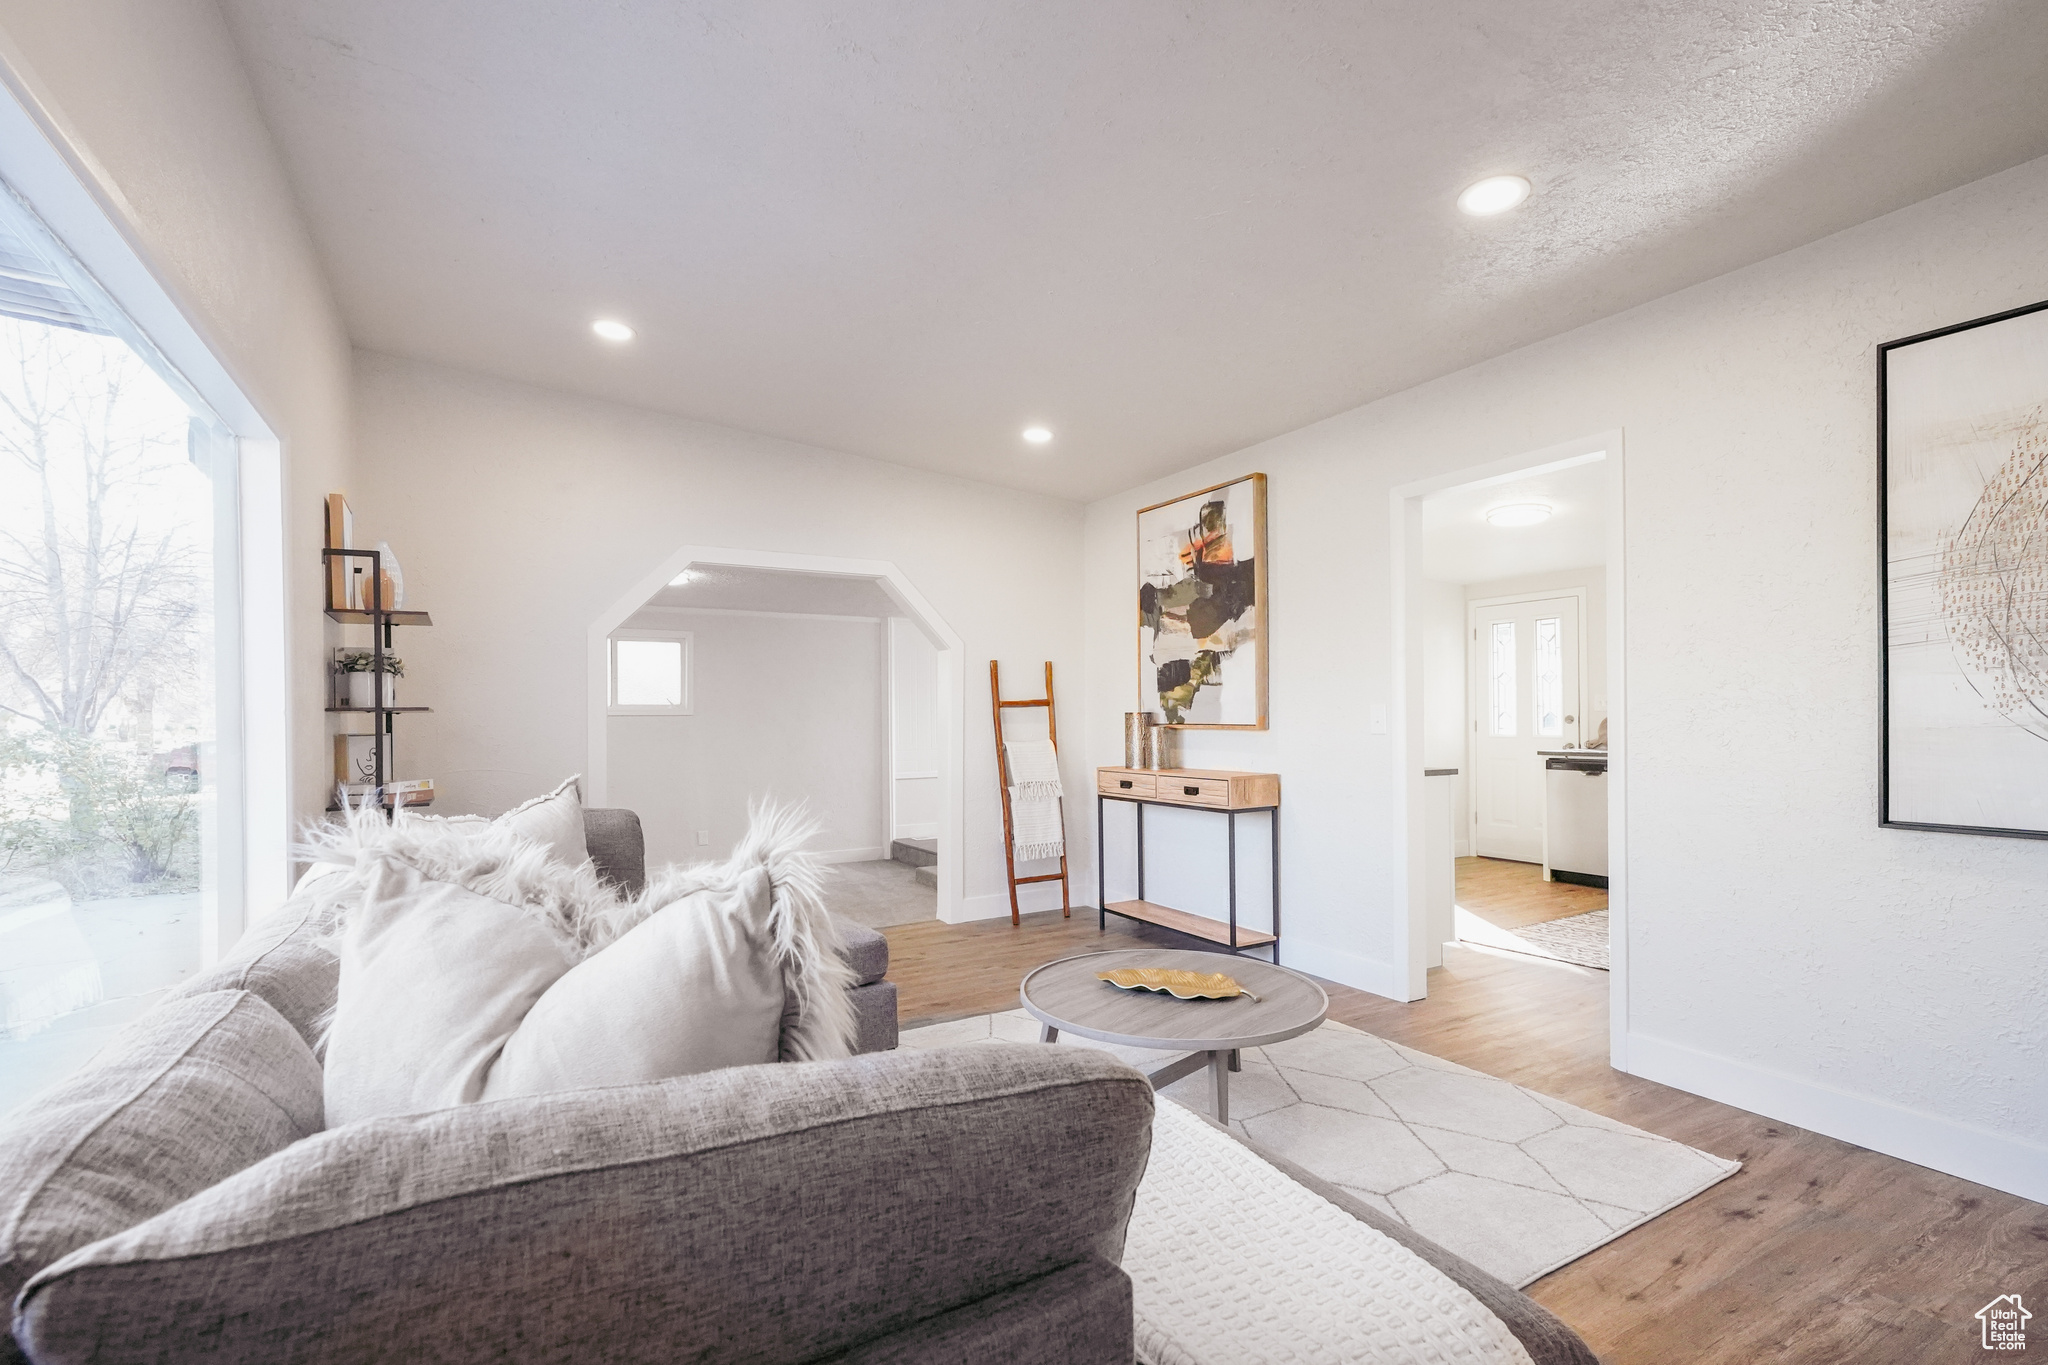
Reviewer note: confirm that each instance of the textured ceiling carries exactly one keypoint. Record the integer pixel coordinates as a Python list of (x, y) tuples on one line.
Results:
[(906, 229)]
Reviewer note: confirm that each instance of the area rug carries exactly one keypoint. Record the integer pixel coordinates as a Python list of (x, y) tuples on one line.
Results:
[(1516, 1182), (1578, 939)]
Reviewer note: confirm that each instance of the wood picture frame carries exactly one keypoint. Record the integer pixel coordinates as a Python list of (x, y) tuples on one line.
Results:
[(1203, 644), (1962, 533)]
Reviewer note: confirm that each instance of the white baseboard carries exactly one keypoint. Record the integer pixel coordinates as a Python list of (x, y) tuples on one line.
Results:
[(852, 855), (928, 830), (1995, 1159)]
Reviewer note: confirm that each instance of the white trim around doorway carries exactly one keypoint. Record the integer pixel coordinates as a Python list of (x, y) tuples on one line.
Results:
[(1406, 528)]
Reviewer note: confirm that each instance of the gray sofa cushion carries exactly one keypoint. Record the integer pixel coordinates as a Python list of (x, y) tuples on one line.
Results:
[(773, 1213), (617, 846), (864, 949), (284, 958), (1080, 1315), (194, 1091)]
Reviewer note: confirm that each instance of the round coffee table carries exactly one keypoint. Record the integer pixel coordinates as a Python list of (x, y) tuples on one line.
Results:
[(1067, 996)]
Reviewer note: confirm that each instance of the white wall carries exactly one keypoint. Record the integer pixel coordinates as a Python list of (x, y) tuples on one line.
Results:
[(1444, 692), (914, 730), (153, 99), (789, 707), (1785, 953), (522, 515)]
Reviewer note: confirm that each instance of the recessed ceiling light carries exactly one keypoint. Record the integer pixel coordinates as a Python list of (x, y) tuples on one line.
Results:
[(1495, 194), (612, 331), (1038, 436), (1519, 514)]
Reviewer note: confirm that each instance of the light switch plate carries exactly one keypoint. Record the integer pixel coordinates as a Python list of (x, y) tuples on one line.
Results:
[(703, 837)]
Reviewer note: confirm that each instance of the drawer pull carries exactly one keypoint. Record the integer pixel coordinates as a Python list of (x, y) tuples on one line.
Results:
[(1191, 791), (1125, 784)]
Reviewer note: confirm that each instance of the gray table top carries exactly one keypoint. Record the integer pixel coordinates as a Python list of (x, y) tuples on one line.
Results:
[(1067, 995)]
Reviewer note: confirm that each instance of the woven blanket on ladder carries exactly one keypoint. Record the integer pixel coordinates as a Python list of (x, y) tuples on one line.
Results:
[(1035, 829)]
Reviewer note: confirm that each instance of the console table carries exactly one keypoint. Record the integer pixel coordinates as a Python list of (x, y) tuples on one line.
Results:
[(1229, 794)]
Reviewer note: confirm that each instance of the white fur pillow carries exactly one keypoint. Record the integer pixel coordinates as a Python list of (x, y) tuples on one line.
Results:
[(478, 967), (434, 977), (693, 987)]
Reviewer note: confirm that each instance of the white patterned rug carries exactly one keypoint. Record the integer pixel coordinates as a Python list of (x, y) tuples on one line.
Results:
[(1579, 939), (1514, 1181)]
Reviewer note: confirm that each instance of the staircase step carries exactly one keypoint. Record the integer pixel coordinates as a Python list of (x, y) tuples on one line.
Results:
[(928, 876), (916, 852)]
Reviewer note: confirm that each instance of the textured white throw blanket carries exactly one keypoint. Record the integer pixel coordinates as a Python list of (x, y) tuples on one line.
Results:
[(1035, 828), (1232, 1261), (1034, 768)]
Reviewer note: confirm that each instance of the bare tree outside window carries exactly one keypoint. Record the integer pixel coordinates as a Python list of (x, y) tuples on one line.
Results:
[(106, 688)]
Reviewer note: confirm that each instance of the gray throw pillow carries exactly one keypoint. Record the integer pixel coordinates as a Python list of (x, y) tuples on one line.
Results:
[(194, 1091)]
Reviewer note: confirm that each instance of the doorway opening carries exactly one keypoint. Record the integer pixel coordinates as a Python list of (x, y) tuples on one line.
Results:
[(1509, 581), (730, 676)]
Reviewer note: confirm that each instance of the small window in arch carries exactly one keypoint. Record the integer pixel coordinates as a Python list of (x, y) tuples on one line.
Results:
[(650, 673)]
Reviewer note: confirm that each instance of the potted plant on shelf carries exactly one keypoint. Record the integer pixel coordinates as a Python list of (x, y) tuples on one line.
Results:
[(359, 667)]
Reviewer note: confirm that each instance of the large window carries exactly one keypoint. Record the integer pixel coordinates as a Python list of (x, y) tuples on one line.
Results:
[(108, 587)]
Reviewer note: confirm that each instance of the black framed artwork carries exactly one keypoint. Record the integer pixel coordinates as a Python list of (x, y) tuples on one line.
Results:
[(1962, 456)]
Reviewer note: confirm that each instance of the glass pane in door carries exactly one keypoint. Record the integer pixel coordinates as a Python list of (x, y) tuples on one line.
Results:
[(1549, 676), (1501, 671)]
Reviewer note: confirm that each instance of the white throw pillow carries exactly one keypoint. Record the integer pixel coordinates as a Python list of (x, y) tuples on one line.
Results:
[(434, 978), (553, 820), (693, 987)]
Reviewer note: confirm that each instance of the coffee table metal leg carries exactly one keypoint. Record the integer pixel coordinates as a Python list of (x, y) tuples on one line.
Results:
[(1048, 1034), (1220, 1068)]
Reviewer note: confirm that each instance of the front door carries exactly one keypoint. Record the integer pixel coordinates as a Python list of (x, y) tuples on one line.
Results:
[(1525, 697)]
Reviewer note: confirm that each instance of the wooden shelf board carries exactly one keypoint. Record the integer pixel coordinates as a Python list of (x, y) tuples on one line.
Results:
[(370, 710), (1195, 926), (365, 618)]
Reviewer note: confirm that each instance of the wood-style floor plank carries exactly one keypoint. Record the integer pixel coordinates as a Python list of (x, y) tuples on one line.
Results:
[(1816, 1251), (1509, 895)]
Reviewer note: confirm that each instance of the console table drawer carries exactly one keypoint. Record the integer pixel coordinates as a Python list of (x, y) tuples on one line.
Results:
[(1195, 791), (1124, 782)]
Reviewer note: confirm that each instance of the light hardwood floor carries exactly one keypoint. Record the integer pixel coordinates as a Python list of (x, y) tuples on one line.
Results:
[(1816, 1251), (1509, 895)]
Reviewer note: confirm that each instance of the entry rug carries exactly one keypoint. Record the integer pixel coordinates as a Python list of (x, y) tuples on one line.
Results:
[(1516, 1182), (1578, 939)]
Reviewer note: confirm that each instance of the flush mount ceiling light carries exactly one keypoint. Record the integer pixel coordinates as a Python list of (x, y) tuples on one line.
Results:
[(1519, 514), (1038, 436), (612, 331), (1495, 194)]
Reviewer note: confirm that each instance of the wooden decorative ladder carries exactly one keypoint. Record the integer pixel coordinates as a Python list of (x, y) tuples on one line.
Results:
[(1052, 732)]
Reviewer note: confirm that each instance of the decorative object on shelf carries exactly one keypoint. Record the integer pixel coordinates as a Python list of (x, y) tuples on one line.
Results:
[(360, 667), (1202, 606), (1163, 750), (341, 530), (355, 759), (1028, 777), (1181, 985), (411, 791), (1137, 739), (1229, 794), (393, 578), (1963, 522)]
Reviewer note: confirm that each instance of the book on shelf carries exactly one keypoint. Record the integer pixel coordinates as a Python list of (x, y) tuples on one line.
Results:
[(408, 791), (341, 534)]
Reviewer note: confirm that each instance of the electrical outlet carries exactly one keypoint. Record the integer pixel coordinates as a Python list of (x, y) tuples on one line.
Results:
[(703, 837)]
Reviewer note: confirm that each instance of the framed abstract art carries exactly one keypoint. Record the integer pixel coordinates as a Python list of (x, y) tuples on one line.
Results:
[(1202, 607), (1963, 545)]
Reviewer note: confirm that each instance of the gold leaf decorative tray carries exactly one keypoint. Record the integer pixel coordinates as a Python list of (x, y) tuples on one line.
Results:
[(1181, 985)]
